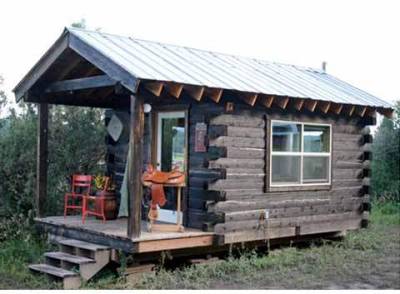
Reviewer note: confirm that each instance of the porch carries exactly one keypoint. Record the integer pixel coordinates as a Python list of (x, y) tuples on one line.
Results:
[(113, 233)]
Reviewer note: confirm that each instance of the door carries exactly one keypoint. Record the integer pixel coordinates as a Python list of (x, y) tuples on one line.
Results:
[(171, 152)]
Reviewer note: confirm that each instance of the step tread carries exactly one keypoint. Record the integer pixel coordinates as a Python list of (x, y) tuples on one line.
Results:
[(69, 257), (83, 244), (52, 270)]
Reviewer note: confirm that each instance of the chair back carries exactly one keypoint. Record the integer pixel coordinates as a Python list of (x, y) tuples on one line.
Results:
[(81, 184)]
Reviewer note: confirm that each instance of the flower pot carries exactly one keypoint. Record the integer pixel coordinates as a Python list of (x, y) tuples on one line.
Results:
[(110, 205)]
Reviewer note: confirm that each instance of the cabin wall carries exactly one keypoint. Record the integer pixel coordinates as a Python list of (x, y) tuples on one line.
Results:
[(227, 190), (252, 211)]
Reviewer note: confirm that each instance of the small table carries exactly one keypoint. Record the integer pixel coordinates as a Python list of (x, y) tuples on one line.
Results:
[(178, 227)]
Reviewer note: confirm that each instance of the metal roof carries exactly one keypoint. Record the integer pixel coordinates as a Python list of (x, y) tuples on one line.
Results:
[(163, 62)]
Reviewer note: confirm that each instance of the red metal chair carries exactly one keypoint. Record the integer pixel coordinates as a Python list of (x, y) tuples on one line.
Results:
[(98, 201), (81, 185)]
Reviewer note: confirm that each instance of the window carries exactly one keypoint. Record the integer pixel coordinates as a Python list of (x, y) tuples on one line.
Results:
[(300, 154)]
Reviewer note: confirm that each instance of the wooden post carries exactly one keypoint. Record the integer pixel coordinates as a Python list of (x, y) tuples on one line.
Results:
[(135, 162), (42, 152)]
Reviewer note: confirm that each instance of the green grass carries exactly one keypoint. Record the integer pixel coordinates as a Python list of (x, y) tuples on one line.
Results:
[(367, 258)]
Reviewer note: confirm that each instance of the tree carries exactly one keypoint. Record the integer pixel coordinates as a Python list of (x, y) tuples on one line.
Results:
[(386, 157), (76, 145)]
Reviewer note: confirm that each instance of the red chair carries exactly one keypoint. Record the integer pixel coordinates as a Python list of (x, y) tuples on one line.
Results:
[(98, 201), (81, 185)]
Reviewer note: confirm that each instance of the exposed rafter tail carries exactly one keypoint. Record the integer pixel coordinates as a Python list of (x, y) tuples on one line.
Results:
[(174, 89), (214, 94), (249, 98), (196, 92), (154, 87)]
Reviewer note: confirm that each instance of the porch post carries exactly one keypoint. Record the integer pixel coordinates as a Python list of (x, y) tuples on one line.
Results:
[(135, 166), (42, 153)]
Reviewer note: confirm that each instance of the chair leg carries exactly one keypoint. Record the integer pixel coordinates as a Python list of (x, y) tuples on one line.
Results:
[(65, 206), (83, 209)]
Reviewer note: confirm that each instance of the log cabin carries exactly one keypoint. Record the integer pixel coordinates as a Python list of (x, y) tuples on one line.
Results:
[(270, 151)]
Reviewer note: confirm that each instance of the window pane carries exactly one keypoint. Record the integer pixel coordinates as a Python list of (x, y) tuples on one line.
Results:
[(285, 169), (315, 169), (316, 138), (286, 137)]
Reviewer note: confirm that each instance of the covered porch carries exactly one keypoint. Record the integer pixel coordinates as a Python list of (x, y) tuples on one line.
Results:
[(74, 74)]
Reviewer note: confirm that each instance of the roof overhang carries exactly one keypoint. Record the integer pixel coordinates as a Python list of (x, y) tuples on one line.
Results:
[(69, 41)]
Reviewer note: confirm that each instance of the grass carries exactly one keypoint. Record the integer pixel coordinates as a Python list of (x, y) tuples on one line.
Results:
[(367, 258)]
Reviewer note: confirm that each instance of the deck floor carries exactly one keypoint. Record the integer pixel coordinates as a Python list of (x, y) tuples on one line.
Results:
[(117, 229)]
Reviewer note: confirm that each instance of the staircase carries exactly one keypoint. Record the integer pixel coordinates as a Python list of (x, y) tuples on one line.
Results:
[(75, 261)]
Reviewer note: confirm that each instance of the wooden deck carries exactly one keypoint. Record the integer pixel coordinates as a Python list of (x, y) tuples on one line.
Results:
[(114, 234)]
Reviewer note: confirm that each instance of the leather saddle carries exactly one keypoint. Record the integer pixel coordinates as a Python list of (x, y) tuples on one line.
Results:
[(156, 180)]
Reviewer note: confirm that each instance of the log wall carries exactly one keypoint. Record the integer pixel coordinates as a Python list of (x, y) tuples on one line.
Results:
[(250, 210)]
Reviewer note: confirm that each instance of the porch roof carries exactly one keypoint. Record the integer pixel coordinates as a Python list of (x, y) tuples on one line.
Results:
[(129, 60)]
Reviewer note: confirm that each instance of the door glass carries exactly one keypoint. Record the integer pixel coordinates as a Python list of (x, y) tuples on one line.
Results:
[(172, 143), (170, 153)]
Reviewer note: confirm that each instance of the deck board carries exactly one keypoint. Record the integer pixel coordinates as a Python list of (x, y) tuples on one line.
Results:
[(117, 229)]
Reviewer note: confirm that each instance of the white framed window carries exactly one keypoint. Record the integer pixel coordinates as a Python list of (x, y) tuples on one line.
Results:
[(300, 153)]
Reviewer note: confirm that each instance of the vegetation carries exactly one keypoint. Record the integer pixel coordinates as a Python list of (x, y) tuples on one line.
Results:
[(386, 158)]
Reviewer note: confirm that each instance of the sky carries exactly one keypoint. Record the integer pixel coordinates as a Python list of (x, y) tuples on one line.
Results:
[(359, 40)]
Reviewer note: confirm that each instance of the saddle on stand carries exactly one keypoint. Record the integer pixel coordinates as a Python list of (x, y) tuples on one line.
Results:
[(157, 180)]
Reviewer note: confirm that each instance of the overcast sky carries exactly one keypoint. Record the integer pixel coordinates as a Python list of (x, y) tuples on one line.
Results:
[(358, 39)]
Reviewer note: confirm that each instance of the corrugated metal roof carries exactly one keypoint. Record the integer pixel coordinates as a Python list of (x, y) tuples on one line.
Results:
[(156, 61)]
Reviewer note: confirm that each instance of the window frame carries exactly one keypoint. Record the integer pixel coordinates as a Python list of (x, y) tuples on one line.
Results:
[(301, 154)]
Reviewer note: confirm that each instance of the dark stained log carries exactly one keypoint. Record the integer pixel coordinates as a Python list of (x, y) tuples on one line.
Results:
[(250, 183), (42, 155), (251, 153), (238, 120), (214, 94), (283, 222), (229, 206), (80, 84), (215, 131), (238, 142), (237, 163), (135, 166)]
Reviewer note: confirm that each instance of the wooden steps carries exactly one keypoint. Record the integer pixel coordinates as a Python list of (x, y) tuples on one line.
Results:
[(76, 261), (71, 280), (61, 256)]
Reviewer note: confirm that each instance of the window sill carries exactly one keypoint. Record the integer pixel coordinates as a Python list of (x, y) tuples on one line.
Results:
[(299, 188)]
